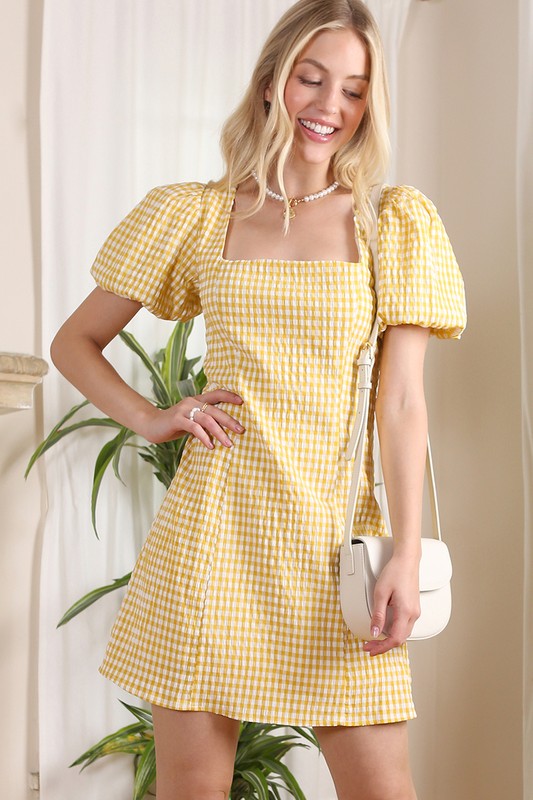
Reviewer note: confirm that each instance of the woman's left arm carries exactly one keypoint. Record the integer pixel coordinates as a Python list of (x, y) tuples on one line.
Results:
[(402, 427)]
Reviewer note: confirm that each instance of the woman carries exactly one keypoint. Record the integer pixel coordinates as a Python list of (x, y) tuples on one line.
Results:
[(232, 611)]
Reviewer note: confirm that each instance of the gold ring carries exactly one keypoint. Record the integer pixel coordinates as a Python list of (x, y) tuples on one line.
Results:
[(204, 406)]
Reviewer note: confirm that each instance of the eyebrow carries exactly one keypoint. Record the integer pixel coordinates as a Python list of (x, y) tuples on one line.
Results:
[(324, 69)]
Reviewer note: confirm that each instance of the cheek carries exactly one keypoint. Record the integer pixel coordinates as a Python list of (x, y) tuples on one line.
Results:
[(358, 115), (295, 97)]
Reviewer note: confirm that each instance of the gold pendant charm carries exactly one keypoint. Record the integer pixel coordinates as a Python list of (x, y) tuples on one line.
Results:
[(292, 206)]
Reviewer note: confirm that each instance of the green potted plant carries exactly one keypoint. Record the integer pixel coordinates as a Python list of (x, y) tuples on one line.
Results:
[(259, 772)]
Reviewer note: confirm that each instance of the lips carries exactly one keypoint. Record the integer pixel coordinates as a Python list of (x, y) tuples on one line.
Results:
[(318, 131), (318, 127)]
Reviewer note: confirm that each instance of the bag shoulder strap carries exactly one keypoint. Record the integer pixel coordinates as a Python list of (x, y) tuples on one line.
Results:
[(365, 364)]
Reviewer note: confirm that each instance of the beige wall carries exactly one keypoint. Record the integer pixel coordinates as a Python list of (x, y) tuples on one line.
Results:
[(458, 109), (19, 332), (458, 128)]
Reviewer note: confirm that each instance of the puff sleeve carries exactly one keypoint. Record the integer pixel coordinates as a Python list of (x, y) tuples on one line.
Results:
[(419, 281), (150, 256)]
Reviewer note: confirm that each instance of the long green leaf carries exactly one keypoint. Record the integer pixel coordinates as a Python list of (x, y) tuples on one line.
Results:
[(52, 437), (164, 458), (69, 415), (146, 772), (189, 363), (103, 460), (158, 383), (278, 768), (260, 746), (277, 748), (307, 733), (200, 380), (185, 388), (239, 788), (130, 739), (258, 742), (45, 444), (174, 357), (90, 598), (258, 781), (57, 434), (118, 453), (142, 714)]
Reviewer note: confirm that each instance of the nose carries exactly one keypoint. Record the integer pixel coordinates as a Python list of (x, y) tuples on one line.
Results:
[(328, 100)]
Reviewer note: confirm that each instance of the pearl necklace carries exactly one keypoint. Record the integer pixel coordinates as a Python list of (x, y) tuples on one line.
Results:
[(295, 201)]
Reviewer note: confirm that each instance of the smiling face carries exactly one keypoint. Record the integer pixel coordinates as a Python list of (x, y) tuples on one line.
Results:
[(326, 94)]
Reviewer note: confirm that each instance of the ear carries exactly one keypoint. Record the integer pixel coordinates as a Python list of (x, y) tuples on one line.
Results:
[(268, 93)]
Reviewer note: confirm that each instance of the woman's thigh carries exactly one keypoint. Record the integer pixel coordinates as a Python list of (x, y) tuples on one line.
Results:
[(195, 754), (369, 762)]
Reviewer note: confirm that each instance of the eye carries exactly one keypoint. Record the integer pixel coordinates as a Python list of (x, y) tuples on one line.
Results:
[(308, 82), (353, 95)]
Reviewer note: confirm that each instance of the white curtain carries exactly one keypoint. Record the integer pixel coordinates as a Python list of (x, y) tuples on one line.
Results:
[(391, 16), (133, 95), (525, 261)]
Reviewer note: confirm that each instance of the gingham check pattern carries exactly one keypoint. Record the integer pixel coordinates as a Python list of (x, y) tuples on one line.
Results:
[(233, 605)]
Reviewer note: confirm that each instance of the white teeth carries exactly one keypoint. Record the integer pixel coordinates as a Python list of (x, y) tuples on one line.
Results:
[(323, 130)]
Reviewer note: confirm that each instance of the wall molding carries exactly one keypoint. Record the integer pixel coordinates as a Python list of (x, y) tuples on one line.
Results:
[(19, 375)]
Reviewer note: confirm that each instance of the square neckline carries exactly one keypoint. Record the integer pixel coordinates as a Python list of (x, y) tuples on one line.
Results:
[(267, 260)]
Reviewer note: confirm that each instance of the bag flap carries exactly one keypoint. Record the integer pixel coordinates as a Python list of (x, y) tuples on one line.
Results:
[(435, 564)]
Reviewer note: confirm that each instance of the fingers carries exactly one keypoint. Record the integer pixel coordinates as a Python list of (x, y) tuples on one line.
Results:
[(390, 625), (211, 419), (397, 633), (396, 605), (379, 617), (221, 396), (376, 647), (212, 399), (379, 642)]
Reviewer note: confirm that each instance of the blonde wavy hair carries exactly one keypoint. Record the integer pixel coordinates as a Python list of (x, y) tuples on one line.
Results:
[(253, 139)]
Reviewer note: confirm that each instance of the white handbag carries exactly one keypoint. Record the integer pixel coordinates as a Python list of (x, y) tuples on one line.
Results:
[(362, 558)]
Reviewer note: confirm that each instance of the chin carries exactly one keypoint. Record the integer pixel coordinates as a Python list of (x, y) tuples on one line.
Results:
[(313, 158)]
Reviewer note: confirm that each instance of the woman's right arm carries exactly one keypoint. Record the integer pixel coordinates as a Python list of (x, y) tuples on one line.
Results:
[(77, 353)]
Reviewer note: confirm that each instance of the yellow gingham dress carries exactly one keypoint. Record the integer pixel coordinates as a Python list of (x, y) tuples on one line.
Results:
[(233, 605)]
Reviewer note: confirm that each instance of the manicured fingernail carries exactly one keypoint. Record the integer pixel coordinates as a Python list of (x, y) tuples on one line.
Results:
[(211, 446), (228, 442), (239, 428), (375, 632)]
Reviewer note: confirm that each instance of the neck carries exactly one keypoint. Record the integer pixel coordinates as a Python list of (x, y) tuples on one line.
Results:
[(305, 180)]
